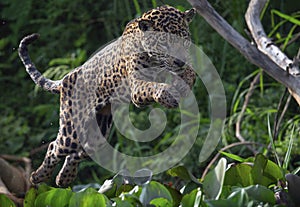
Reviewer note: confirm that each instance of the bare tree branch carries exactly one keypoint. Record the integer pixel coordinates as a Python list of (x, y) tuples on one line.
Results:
[(264, 44), (248, 50)]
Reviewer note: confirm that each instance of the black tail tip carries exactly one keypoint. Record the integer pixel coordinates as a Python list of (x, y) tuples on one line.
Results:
[(30, 38)]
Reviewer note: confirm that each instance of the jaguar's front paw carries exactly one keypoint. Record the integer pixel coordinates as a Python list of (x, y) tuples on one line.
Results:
[(168, 96), (36, 178)]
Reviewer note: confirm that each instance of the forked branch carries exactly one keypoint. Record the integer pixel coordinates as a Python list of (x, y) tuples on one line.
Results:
[(265, 45), (263, 53)]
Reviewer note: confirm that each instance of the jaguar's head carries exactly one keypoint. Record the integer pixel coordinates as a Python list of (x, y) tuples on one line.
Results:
[(164, 35)]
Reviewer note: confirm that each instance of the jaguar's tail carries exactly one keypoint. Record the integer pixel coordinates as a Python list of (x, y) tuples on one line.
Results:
[(36, 76)]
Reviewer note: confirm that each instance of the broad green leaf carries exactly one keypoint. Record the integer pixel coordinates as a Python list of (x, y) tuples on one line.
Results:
[(239, 175), (213, 181), (249, 196), (5, 201), (183, 173), (78, 188), (189, 187), (176, 195), (261, 193), (30, 197), (192, 198), (237, 199), (123, 203), (240, 198), (161, 202), (88, 198), (220, 203), (154, 190), (265, 172), (179, 171), (54, 198), (273, 171), (257, 171), (44, 188), (130, 198)]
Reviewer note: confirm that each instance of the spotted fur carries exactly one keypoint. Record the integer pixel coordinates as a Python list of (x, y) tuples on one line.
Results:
[(112, 74)]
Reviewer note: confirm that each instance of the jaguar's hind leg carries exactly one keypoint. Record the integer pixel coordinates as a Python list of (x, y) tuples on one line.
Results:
[(45, 170), (69, 170)]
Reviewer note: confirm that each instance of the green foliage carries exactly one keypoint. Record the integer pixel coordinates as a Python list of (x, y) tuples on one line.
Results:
[(5, 201), (213, 182), (70, 35), (253, 182), (88, 198)]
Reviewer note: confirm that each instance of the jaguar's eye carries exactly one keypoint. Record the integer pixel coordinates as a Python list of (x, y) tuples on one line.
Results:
[(179, 63)]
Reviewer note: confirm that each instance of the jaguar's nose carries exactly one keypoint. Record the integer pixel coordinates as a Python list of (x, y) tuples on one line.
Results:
[(179, 63)]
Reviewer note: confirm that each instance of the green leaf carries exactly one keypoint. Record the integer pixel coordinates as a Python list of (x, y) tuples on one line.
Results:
[(30, 197), (54, 198), (176, 195), (221, 203), (44, 188), (239, 175), (88, 198), (183, 173), (287, 17), (261, 193), (249, 196), (189, 187), (123, 203), (213, 181), (161, 202), (192, 199), (265, 172), (238, 198), (233, 156), (179, 171), (257, 171), (273, 171), (154, 190), (5, 201)]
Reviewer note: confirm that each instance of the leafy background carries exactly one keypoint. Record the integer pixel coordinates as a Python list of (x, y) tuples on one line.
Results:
[(72, 30)]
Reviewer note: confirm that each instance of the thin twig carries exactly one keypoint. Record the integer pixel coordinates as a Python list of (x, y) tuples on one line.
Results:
[(279, 116), (238, 134)]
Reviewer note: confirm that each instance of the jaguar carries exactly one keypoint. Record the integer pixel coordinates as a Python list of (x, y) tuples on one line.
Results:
[(133, 68)]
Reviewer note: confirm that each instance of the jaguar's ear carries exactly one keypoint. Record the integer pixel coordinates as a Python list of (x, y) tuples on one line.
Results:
[(145, 25), (189, 15)]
